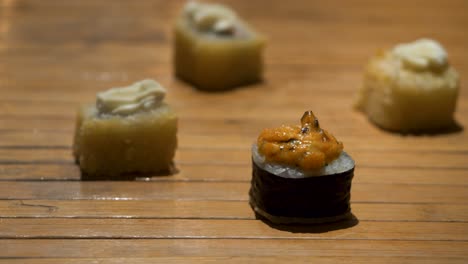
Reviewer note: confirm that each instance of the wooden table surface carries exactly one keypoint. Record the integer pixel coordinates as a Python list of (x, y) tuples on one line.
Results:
[(410, 193)]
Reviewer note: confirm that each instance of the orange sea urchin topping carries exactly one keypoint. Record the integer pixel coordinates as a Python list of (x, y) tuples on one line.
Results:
[(308, 146)]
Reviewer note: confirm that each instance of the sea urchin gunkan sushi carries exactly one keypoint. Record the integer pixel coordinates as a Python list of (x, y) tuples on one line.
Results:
[(301, 175)]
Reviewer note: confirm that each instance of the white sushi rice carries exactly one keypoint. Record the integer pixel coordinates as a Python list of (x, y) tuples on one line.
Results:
[(343, 163)]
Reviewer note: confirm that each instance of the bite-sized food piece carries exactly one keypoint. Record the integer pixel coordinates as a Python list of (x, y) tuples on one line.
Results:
[(301, 175), (214, 49), (129, 129), (411, 88)]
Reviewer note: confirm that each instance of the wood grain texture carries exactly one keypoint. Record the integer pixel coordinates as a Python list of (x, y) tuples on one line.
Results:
[(205, 209), (226, 191), (235, 259), (230, 157), (102, 248), (409, 195), (216, 229), (238, 173)]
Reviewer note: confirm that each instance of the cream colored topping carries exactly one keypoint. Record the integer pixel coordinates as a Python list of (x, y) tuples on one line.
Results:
[(224, 26), (423, 54), (140, 96), (211, 17)]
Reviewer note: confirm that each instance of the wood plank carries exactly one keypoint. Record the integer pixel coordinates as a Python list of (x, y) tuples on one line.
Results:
[(103, 248), (359, 126), (227, 191), (241, 173), (235, 259), (188, 138), (235, 157), (84, 92), (41, 140), (26, 120), (362, 29), (331, 54), (180, 209), (291, 105), (356, 11), (216, 229), (49, 106)]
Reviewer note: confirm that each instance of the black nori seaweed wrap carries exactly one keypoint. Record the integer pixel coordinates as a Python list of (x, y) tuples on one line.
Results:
[(316, 199)]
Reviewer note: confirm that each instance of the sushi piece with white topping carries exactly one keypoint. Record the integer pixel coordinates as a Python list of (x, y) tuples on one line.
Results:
[(410, 89), (129, 130), (215, 49)]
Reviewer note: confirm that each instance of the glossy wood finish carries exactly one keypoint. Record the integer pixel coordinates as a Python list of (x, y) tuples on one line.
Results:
[(409, 194)]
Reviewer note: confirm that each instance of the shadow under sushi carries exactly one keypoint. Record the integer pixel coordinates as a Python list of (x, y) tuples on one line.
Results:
[(452, 129), (312, 228), (246, 86), (129, 176)]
